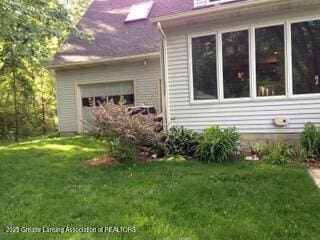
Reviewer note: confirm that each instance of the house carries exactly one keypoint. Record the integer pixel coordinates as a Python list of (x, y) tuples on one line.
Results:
[(252, 64)]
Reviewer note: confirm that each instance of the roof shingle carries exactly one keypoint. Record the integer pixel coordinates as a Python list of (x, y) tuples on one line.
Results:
[(113, 37)]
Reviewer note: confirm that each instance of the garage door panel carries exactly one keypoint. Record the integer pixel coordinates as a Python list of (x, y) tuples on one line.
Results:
[(86, 91), (99, 90), (91, 96)]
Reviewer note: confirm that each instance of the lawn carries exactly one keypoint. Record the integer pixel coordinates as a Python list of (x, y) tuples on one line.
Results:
[(44, 184)]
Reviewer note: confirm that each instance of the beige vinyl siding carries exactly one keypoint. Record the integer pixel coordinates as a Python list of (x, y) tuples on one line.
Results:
[(249, 116), (146, 87)]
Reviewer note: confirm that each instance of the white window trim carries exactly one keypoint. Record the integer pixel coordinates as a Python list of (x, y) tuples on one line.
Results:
[(220, 89), (288, 67), (252, 60), (208, 3), (252, 56), (191, 90), (217, 2)]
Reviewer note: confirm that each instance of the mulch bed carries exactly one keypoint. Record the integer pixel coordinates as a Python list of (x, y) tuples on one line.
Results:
[(313, 164)]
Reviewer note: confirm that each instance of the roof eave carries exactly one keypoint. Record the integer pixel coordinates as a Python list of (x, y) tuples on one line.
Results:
[(105, 61), (217, 9)]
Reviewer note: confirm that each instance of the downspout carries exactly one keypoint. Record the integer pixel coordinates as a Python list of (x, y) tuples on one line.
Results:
[(164, 76)]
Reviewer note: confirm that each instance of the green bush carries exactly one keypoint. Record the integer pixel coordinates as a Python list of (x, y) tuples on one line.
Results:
[(218, 145), (310, 140), (180, 141), (123, 150), (277, 153)]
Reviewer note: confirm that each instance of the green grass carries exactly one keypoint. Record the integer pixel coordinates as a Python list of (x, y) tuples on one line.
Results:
[(43, 183)]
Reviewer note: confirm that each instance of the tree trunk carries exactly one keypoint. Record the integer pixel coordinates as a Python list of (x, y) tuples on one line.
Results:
[(14, 87), (43, 108)]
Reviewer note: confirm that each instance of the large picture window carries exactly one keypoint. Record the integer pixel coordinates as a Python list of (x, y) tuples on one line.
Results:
[(306, 57), (270, 61), (204, 67), (236, 64), (282, 59)]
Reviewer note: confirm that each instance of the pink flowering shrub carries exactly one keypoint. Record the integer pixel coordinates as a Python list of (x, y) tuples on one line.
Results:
[(126, 134)]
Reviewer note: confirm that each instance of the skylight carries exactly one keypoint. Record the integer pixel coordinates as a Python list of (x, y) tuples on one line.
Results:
[(139, 11)]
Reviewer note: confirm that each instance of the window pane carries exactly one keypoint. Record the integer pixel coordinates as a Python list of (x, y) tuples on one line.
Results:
[(204, 67), (87, 102), (129, 99), (306, 57), (236, 64), (270, 61), (100, 100), (115, 99)]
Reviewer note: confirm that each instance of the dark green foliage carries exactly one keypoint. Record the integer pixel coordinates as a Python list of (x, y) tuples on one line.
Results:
[(124, 151), (31, 31), (180, 141), (277, 152), (218, 145), (310, 139)]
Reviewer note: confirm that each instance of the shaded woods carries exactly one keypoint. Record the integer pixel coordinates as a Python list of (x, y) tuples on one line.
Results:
[(31, 32)]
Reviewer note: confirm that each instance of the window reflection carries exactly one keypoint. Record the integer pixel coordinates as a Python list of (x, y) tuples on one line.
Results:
[(204, 67), (236, 64), (270, 61), (87, 101), (306, 57)]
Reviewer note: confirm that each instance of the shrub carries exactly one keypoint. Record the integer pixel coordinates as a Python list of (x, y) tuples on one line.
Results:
[(277, 153), (301, 155), (180, 141), (310, 140), (123, 150), (125, 133), (218, 145)]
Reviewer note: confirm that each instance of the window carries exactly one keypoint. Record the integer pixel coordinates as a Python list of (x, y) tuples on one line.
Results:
[(115, 99), (139, 11), (236, 64), (204, 67), (98, 94), (100, 100), (219, 2), (87, 102), (306, 57), (129, 99), (270, 61), (227, 59)]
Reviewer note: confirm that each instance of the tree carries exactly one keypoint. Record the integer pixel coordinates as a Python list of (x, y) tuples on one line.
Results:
[(30, 33)]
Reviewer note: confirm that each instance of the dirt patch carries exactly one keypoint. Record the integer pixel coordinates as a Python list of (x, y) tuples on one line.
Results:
[(313, 164), (101, 161)]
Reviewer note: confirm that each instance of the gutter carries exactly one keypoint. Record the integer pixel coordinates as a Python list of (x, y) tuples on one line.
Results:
[(154, 55), (222, 9), (164, 76)]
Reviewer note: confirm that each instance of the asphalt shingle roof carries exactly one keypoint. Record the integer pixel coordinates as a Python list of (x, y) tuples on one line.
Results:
[(113, 37)]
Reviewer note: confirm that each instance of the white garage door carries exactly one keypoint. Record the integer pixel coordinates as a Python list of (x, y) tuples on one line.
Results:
[(95, 94)]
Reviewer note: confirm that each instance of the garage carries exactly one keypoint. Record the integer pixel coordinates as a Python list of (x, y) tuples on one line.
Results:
[(93, 95)]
